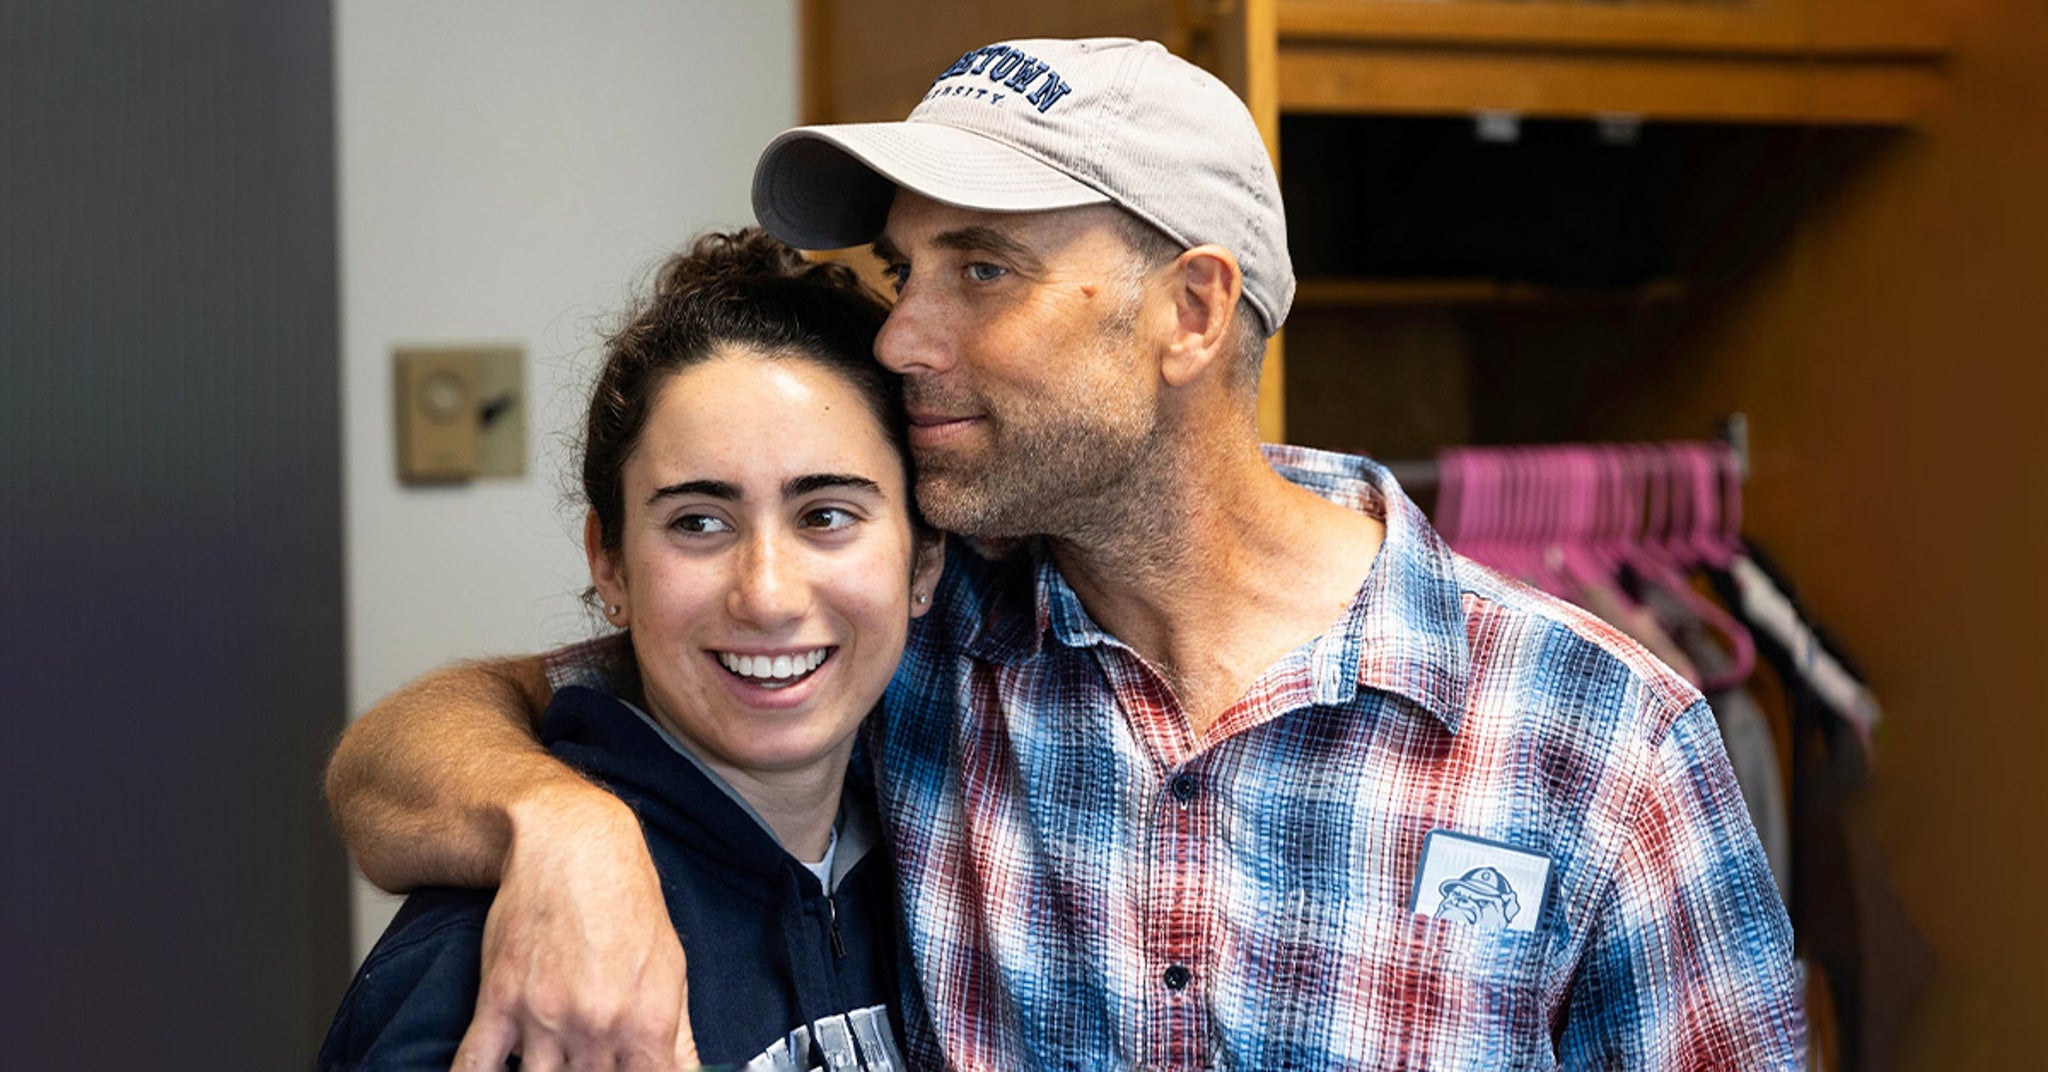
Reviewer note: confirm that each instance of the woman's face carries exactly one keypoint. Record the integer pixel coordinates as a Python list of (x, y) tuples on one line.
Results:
[(766, 566)]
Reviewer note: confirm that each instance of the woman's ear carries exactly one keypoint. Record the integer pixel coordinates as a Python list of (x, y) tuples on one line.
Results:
[(606, 575), (928, 563)]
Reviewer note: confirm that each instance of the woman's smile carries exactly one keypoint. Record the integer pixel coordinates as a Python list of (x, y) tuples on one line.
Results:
[(773, 671)]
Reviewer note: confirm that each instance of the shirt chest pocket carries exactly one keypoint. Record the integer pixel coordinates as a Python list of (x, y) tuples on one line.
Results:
[(1441, 994)]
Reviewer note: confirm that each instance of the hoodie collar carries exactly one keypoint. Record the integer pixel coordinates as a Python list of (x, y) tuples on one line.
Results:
[(621, 745)]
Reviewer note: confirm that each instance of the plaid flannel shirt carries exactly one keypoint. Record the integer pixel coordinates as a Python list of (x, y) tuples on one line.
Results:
[(1086, 885)]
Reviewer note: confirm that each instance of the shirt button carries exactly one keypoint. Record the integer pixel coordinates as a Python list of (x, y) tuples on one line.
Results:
[(1177, 977), (1183, 787)]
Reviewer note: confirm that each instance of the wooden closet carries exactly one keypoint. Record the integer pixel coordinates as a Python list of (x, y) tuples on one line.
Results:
[(1837, 229)]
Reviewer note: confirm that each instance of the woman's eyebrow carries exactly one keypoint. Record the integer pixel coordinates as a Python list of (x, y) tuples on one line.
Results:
[(798, 486), (792, 488), (710, 489)]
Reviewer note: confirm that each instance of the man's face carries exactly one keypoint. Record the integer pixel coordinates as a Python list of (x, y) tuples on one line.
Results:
[(1028, 373)]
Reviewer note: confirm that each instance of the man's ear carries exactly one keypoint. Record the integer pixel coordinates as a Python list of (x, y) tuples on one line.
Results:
[(929, 562), (1206, 285), (606, 574)]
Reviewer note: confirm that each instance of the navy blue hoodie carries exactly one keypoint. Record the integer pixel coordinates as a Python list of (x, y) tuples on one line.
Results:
[(773, 961)]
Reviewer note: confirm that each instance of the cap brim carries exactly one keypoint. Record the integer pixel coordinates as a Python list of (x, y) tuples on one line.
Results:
[(827, 187)]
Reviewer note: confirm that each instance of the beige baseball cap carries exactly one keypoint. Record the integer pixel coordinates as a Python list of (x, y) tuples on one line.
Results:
[(1033, 125)]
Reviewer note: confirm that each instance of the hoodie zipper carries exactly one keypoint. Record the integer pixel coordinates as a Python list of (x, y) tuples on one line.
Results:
[(832, 910)]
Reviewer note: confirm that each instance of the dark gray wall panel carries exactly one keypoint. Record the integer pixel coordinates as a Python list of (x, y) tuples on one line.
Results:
[(170, 523)]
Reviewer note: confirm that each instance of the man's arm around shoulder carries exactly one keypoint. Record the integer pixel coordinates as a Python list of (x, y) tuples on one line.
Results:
[(445, 783), (424, 785)]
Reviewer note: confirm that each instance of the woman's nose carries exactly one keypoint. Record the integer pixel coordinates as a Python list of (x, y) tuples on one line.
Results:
[(771, 588)]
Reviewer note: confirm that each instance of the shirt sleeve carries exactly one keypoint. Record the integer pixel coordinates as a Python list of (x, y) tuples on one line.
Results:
[(587, 663), (1689, 962)]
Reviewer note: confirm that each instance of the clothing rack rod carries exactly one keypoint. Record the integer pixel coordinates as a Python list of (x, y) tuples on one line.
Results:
[(1733, 430)]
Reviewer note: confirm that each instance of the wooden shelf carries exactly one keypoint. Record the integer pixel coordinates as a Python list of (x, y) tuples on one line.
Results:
[(1371, 81), (1731, 61), (1333, 293), (1770, 27)]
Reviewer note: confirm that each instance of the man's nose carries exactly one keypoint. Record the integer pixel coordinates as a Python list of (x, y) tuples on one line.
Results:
[(914, 339)]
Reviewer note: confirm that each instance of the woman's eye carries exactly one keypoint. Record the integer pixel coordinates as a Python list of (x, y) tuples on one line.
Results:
[(984, 272), (699, 523), (828, 518)]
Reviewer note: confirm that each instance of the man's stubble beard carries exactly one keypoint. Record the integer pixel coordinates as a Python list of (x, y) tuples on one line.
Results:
[(1049, 468), (1074, 465)]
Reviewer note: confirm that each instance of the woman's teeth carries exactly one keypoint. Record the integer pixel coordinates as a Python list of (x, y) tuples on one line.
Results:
[(773, 670)]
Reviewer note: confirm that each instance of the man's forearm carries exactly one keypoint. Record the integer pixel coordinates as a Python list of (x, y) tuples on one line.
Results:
[(445, 783), (426, 786)]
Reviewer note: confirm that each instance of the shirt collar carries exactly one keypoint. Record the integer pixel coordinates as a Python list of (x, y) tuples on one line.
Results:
[(1404, 634)]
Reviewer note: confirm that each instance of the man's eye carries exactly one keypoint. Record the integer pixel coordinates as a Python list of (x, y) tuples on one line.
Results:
[(828, 518), (897, 275), (699, 523), (984, 272)]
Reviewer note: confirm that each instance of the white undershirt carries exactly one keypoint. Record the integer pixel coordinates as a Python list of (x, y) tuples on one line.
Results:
[(823, 868)]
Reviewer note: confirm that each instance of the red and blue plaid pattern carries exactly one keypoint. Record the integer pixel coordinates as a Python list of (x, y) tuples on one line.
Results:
[(1086, 885)]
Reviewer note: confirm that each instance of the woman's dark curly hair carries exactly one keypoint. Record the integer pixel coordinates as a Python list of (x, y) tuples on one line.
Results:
[(744, 289)]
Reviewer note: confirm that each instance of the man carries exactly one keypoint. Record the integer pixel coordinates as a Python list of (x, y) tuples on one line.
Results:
[(1159, 781)]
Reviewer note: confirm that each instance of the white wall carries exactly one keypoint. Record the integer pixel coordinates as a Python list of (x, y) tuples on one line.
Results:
[(507, 171)]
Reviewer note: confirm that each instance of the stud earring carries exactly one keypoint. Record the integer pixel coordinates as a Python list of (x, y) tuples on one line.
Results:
[(922, 599), (615, 609)]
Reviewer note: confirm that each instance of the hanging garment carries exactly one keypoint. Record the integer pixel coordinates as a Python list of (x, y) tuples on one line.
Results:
[(1754, 593), (1848, 915)]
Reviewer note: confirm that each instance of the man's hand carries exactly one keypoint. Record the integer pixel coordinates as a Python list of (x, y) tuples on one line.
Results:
[(581, 966)]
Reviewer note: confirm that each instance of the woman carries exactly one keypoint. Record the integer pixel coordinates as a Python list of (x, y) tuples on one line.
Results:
[(751, 532)]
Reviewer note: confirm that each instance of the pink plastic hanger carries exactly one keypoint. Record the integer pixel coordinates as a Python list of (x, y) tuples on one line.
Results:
[(1694, 536)]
